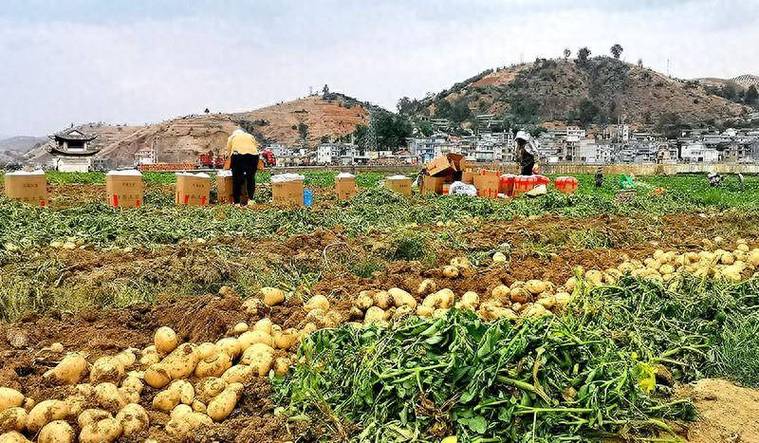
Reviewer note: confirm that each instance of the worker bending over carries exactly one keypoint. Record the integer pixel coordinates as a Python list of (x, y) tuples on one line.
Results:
[(526, 154), (242, 149)]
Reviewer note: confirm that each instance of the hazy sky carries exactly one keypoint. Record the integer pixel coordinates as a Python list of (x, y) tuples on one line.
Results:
[(137, 61)]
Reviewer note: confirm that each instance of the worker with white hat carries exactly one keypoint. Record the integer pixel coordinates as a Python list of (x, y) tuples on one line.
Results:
[(527, 152)]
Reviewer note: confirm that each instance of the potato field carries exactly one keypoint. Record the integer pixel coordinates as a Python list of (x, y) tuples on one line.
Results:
[(606, 315)]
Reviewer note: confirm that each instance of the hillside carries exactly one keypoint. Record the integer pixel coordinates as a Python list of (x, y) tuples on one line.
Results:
[(599, 90), (12, 149), (184, 138)]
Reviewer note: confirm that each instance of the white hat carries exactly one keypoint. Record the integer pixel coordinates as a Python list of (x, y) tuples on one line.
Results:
[(522, 135)]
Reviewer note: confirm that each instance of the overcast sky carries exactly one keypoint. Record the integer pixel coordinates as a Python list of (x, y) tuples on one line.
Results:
[(137, 61)]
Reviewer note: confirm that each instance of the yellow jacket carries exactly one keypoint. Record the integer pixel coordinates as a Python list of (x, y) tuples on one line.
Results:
[(240, 142)]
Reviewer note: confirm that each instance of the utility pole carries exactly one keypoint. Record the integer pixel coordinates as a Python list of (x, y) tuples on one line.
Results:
[(668, 73)]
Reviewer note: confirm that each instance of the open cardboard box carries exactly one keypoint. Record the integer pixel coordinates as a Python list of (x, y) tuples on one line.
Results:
[(446, 164)]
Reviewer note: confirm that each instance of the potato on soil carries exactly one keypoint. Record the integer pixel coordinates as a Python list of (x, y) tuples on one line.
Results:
[(10, 398), (382, 300), (450, 271), (157, 376), (286, 339), (500, 292), (460, 262), (132, 383), (272, 296), (13, 419), (260, 357), (185, 426), (427, 286), (108, 396), (126, 357), (469, 300), (167, 400), (57, 431), (106, 430), (425, 311), (180, 411), (69, 371), (181, 362), (13, 437), (230, 345), (150, 356), (75, 403), (520, 295), (251, 337), (210, 387), (133, 419), (205, 350), (401, 297), (238, 374), (107, 369), (282, 366), (240, 327), (535, 286), (45, 412), (374, 314), (317, 302), (199, 406), (165, 340), (90, 416), (263, 325), (185, 389), (215, 366), (363, 300), (223, 404)]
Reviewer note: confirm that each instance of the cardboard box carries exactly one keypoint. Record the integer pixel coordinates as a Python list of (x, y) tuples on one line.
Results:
[(432, 185), (124, 189), (467, 177), (224, 187), (193, 189), (487, 185), (287, 193), (345, 187), (446, 164), (28, 187), (399, 184)]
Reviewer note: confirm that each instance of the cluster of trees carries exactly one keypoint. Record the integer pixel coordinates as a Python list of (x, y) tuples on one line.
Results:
[(386, 130), (731, 91)]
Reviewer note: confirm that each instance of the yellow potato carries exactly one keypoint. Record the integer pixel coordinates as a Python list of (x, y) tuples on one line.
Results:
[(210, 387), (206, 350), (181, 362), (223, 404), (106, 430), (286, 339), (13, 419), (180, 410), (107, 369), (186, 426), (460, 262), (126, 357), (427, 286), (165, 340), (364, 300), (45, 412), (272, 296), (186, 391), (13, 437), (157, 376), (535, 286), (469, 300), (133, 419), (501, 292), (230, 345), (132, 383), (401, 298), (167, 400), (150, 356), (69, 371), (450, 271), (10, 398), (108, 397), (425, 311), (75, 403), (317, 302), (281, 366), (238, 374), (263, 325), (261, 362), (199, 406), (382, 300), (251, 337), (214, 366), (90, 416), (239, 328), (57, 431), (375, 314)]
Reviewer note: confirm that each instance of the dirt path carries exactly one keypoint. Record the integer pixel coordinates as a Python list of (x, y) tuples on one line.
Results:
[(727, 413)]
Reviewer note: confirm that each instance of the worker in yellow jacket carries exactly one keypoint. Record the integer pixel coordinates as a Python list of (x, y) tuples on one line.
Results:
[(242, 150)]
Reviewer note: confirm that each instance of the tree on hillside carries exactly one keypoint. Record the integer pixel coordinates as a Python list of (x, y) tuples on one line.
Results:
[(361, 136), (425, 128), (583, 54), (303, 132), (406, 105), (640, 62), (752, 96), (567, 53), (443, 109), (390, 130), (588, 112), (616, 50), (460, 111)]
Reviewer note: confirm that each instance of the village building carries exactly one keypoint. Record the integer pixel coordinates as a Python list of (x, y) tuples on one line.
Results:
[(72, 151)]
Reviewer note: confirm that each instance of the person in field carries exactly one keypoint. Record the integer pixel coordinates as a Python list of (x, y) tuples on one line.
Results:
[(527, 153), (242, 150), (599, 177)]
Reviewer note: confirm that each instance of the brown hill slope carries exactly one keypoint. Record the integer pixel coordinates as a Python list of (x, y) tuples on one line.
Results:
[(184, 138), (602, 87)]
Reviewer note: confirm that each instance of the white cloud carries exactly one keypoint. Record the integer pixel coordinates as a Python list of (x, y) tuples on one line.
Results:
[(144, 68)]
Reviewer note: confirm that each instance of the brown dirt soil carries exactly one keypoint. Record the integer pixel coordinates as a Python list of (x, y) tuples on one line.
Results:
[(727, 413)]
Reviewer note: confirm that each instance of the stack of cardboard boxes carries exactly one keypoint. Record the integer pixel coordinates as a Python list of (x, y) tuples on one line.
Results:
[(441, 171), (124, 189), (28, 187)]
